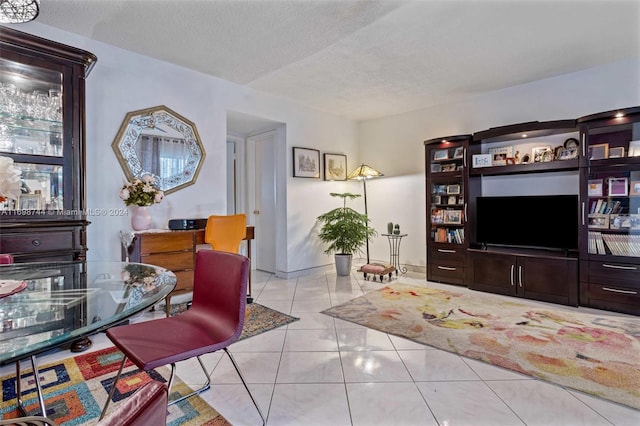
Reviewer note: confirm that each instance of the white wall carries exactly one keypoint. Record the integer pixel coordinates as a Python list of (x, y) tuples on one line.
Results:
[(123, 81), (395, 146)]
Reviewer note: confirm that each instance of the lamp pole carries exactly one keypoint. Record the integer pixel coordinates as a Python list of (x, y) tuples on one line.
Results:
[(364, 182)]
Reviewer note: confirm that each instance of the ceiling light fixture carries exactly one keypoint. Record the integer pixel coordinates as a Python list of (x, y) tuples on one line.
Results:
[(18, 11)]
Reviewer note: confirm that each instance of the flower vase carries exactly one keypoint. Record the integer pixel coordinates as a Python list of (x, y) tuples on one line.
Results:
[(141, 218)]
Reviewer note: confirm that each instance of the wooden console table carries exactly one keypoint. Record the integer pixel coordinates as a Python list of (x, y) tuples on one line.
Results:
[(175, 251)]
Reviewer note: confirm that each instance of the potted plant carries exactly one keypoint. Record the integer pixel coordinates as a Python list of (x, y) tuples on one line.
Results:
[(346, 231)]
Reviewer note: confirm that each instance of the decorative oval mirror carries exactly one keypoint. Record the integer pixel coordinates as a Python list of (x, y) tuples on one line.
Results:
[(159, 142)]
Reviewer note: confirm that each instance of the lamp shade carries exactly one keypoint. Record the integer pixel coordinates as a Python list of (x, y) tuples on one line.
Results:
[(18, 11), (364, 171)]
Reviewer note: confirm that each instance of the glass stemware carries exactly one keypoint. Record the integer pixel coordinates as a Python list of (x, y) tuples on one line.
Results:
[(126, 238)]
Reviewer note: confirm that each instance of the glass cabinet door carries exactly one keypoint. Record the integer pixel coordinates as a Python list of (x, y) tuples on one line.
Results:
[(31, 133)]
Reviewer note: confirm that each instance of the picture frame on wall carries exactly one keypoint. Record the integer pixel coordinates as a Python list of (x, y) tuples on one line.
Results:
[(335, 167), (306, 163)]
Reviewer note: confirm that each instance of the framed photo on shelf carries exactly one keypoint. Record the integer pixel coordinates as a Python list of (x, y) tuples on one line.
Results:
[(29, 202), (568, 154), (306, 163), (442, 154), (436, 168), (616, 152), (538, 153), (449, 167), (481, 160), (619, 221), (634, 187), (437, 216), (634, 148), (594, 188), (335, 167), (499, 155), (634, 221), (618, 187), (459, 152), (598, 221), (453, 189), (599, 151), (452, 199), (453, 216)]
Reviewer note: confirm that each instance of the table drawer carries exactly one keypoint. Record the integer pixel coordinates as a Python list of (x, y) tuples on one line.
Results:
[(185, 280), (40, 242), (173, 261), (166, 242)]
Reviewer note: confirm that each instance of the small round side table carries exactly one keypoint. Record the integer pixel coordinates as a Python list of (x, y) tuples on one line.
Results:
[(394, 251)]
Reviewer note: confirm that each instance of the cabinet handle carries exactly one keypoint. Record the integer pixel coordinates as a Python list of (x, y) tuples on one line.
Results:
[(464, 157), (446, 268), (520, 276), (511, 281), (626, 268), (584, 148), (614, 290), (465, 212), (446, 251), (35, 242), (583, 213)]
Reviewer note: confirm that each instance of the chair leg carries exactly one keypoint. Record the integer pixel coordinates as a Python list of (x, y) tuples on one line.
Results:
[(113, 387), (204, 387), (244, 382)]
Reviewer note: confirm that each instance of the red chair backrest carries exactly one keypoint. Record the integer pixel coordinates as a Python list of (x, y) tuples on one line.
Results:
[(6, 259), (220, 288)]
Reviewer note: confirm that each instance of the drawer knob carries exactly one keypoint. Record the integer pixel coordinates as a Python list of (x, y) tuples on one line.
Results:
[(35, 242)]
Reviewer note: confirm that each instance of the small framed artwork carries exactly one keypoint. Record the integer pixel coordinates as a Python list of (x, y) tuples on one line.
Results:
[(453, 189), (453, 216), (335, 167), (599, 152), (481, 160), (29, 202), (634, 187), (538, 153), (620, 221), (499, 155), (452, 199), (449, 167), (306, 163), (459, 152), (618, 187), (437, 216), (616, 152), (440, 155), (634, 221), (436, 168), (568, 154), (598, 221), (594, 188), (634, 148)]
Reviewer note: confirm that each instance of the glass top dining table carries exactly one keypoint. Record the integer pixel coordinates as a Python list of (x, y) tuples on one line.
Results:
[(49, 305)]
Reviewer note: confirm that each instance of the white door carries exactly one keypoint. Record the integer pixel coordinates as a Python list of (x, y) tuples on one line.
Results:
[(231, 177), (264, 204)]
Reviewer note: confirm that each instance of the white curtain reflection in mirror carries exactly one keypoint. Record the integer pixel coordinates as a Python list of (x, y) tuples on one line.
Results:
[(162, 156)]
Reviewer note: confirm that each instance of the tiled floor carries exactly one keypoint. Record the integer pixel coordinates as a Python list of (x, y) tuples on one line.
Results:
[(324, 371)]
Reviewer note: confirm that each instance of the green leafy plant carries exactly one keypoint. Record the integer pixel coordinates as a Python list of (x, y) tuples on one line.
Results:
[(343, 228)]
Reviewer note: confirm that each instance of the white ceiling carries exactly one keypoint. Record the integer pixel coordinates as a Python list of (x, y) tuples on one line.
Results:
[(364, 59)]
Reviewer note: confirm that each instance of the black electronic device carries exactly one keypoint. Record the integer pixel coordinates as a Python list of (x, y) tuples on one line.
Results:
[(185, 224), (538, 221)]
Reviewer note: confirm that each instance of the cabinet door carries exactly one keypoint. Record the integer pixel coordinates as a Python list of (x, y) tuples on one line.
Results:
[(547, 279), (492, 272)]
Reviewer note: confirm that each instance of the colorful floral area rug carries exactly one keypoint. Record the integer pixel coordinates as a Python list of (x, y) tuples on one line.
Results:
[(76, 389), (257, 318), (598, 355)]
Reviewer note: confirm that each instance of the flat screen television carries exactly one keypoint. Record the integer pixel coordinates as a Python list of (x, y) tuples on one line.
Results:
[(536, 221)]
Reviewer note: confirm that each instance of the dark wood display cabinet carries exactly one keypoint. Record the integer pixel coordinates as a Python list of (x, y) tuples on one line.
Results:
[(610, 226), (42, 92), (447, 187), (517, 173)]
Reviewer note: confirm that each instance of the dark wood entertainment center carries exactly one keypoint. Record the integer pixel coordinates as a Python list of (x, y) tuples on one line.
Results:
[(596, 158)]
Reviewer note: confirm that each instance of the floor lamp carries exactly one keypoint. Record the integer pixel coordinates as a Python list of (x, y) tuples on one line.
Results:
[(364, 172)]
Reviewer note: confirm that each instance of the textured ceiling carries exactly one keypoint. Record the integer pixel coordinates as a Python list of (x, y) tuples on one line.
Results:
[(364, 59)]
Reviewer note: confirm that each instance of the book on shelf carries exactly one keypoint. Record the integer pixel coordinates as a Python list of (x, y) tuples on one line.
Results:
[(622, 244), (449, 235)]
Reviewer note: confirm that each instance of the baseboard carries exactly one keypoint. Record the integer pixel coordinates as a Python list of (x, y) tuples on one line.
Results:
[(331, 268)]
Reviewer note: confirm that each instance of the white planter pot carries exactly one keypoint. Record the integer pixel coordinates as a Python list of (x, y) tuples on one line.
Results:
[(343, 264)]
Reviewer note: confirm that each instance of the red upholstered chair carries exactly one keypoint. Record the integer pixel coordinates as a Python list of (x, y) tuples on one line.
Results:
[(6, 259), (213, 322)]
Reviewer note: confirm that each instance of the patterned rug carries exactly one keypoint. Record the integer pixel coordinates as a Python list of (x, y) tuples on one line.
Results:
[(598, 355), (257, 318), (76, 388)]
